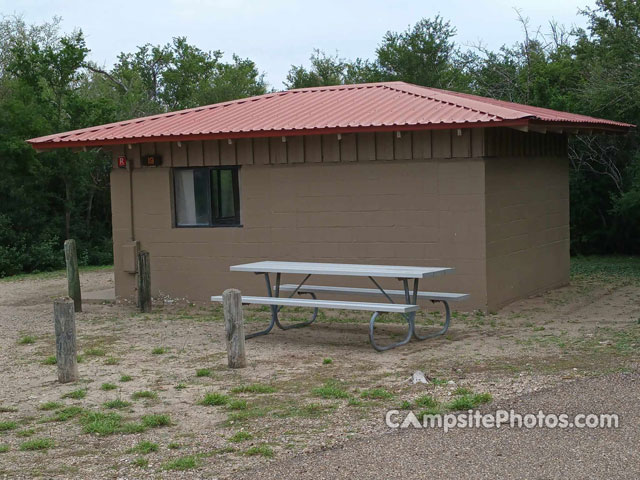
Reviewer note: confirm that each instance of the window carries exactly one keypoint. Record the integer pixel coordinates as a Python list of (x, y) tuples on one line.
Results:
[(206, 197)]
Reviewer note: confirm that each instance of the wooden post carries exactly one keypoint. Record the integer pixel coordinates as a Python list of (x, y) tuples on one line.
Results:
[(144, 282), (73, 275), (65, 327), (234, 327)]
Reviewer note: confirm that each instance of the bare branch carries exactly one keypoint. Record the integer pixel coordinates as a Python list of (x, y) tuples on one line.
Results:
[(107, 75)]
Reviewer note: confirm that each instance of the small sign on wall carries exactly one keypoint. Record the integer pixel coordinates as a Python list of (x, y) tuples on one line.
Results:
[(151, 160), (122, 162)]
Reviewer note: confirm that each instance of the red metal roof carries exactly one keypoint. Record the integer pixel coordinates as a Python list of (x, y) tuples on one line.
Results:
[(336, 109)]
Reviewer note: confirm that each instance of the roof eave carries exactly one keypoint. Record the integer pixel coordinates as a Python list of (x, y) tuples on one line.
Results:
[(523, 124), (272, 133)]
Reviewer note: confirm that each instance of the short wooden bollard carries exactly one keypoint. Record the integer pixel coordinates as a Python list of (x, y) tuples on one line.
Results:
[(234, 327), (144, 282), (65, 327), (73, 275)]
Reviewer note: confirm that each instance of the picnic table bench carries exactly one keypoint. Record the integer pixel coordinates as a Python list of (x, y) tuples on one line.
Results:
[(408, 309)]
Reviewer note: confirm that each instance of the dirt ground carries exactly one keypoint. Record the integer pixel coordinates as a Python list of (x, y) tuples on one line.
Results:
[(303, 391)]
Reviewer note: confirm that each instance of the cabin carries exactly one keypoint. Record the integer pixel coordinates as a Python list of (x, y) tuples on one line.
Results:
[(380, 173)]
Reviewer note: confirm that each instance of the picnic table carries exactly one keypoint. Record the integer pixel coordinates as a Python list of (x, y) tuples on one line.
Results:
[(404, 274)]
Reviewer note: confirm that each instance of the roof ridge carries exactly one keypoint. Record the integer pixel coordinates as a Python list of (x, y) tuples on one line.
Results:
[(446, 92)]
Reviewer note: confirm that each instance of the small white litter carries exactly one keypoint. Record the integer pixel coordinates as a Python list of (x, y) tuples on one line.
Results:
[(418, 377)]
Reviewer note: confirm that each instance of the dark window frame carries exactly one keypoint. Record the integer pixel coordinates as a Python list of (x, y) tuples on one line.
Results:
[(214, 222)]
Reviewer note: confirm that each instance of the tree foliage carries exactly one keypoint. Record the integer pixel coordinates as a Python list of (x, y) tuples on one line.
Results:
[(48, 85)]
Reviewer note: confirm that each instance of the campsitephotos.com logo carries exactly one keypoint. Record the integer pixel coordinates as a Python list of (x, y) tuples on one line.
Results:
[(500, 419)]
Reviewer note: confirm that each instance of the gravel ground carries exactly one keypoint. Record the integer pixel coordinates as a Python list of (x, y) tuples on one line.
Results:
[(507, 453), (587, 329)]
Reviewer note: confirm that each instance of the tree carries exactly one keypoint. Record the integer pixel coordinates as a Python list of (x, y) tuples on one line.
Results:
[(424, 54)]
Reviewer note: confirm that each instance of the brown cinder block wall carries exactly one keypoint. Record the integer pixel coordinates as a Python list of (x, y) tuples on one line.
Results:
[(422, 198), (527, 221)]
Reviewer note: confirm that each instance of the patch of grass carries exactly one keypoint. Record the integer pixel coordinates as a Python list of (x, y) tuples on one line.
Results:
[(203, 372), (462, 391), (439, 381), (254, 388), (51, 360), (313, 410), (426, 401), (173, 446), (132, 427), (6, 426), (144, 447), (244, 415), (376, 394), (156, 420), (240, 437), (65, 414), (112, 361), (95, 352), (27, 340), (354, 402), (76, 394), (327, 361), (262, 450), (159, 350), (405, 405), (144, 394), (141, 462), (50, 406), (117, 403), (182, 463), (469, 402), (214, 399), (180, 386), (236, 404), (126, 378), (437, 410), (330, 389), (37, 444), (102, 423), (4, 448), (108, 386), (605, 268), (27, 432), (5, 409)]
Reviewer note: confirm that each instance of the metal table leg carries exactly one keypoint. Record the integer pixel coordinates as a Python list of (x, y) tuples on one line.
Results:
[(275, 309), (444, 328), (382, 348), (410, 317)]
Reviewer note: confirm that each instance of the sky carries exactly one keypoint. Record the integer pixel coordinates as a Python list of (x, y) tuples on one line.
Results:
[(278, 33)]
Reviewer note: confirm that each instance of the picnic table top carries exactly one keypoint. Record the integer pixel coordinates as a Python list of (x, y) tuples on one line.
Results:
[(346, 269)]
